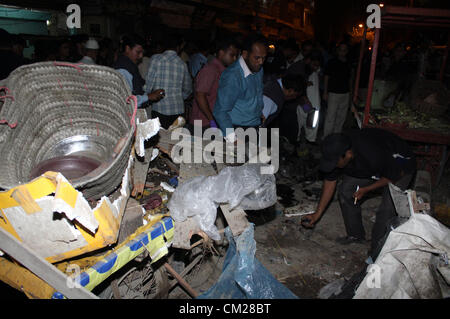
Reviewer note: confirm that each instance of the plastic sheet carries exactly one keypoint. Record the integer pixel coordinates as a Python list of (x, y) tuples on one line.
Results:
[(405, 267), (200, 196), (243, 276)]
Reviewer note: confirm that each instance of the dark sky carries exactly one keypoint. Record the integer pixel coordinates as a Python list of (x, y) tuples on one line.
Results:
[(335, 18)]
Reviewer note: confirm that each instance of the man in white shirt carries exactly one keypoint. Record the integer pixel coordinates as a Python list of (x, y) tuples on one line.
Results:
[(91, 48), (313, 100)]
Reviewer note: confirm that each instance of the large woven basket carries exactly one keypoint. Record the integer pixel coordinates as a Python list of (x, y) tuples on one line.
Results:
[(55, 103)]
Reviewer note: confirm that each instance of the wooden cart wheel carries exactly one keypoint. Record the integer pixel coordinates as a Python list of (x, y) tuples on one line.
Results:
[(158, 285), (139, 283)]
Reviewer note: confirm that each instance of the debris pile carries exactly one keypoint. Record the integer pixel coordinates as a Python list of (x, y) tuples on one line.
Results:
[(405, 116)]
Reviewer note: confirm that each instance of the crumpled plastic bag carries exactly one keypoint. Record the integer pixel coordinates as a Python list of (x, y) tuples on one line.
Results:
[(242, 186), (243, 276), (405, 268)]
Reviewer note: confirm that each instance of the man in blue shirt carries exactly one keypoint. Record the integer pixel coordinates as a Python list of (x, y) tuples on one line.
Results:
[(239, 100)]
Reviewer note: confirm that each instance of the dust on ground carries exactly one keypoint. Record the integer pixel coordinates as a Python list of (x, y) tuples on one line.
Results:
[(305, 260)]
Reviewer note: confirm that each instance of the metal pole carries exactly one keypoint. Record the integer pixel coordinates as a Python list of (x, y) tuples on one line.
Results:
[(358, 72), (373, 65), (182, 282)]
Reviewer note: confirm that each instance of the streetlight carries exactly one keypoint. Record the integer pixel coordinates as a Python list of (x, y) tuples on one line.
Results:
[(381, 5), (360, 25)]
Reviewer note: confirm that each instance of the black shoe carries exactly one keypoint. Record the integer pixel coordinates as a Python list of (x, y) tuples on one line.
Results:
[(350, 240)]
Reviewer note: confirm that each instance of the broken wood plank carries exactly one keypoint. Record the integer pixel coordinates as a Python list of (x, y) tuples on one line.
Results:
[(236, 218), (41, 268), (188, 171), (140, 168), (185, 141), (25, 200), (131, 220), (183, 233)]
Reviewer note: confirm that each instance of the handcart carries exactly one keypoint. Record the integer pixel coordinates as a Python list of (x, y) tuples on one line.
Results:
[(431, 143)]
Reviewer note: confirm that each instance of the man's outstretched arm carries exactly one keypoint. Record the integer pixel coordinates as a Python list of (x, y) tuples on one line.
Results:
[(325, 198)]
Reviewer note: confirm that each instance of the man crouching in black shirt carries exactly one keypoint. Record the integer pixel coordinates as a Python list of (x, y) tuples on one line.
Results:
[(367, 159)]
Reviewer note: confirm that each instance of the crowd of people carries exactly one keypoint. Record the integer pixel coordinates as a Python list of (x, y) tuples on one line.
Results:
[(230, 82), (77, 49), (246, 82), (180, 77)]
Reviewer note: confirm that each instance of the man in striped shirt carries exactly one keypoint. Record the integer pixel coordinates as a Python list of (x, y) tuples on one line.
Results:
[(167, 71)]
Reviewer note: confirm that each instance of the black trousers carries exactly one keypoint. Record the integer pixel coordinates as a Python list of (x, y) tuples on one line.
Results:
[(287, 121), (247, 140), (385, 213), (165, 120)]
